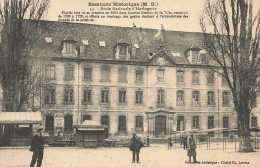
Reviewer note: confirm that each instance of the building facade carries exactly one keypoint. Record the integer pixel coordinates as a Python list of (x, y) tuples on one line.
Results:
[(132, 80)]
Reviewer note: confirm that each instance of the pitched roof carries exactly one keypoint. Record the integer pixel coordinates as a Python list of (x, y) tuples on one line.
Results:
[(175, 41)]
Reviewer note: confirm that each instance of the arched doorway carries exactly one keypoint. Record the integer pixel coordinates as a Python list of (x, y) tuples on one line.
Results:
[(160, 126)]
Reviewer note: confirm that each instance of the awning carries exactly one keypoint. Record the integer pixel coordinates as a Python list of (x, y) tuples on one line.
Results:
[(20, 117), (90, 125)]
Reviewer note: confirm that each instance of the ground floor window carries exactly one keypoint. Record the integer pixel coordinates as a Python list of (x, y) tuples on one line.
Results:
[(180, 123), (49, 123), (139, 123), (105, 121), (211, 124), (24, 130), (226, 125), (195, 122), (86, 117), (122, 124), (68, 121)]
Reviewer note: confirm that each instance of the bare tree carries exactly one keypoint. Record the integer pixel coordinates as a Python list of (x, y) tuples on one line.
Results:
[(20, 70), (233, 46)]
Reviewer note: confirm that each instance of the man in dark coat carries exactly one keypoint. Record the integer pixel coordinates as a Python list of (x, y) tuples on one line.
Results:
[(191, 148), (185, 142), (37, 146), (135, 145)]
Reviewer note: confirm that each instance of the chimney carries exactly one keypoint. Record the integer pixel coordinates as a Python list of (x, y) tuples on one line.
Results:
[(140, 34)]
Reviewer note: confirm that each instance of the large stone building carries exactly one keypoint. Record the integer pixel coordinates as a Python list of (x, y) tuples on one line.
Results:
[(132, 79)]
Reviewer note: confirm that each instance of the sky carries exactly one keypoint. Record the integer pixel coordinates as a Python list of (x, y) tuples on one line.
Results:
[(190, 24)]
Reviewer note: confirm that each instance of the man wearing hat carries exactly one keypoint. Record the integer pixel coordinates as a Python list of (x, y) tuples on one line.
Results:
[(135, 145), (191, 146), (37, 146)]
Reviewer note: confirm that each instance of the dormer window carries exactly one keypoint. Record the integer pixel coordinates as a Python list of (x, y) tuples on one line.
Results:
[(195, 55), (69, 47), (122, 51)]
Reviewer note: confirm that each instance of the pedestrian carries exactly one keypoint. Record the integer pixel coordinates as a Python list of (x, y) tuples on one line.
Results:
[(185, 142), (169, 143), (135, 145), (148, 140), (37, 146), (191, 148), (181, 139)]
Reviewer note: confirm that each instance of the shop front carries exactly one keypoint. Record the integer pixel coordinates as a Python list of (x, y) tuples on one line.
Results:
[(17, 127)]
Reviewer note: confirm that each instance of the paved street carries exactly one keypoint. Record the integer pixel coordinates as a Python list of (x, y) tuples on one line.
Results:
[(154, 156)]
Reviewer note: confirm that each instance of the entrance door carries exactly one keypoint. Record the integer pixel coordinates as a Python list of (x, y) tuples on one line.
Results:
[(105, 121), (8, 134), (160, 126)]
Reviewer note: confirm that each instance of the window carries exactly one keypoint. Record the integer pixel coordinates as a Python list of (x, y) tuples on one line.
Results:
[(139, 124), (160, 75), (210, 78), (253, 121), (105, 74), (139, 75), (105, 121), (49, 96), (195, 55), (160, 97), (24, 130), (211, 98), (223, 81), (195, 96), (180, 94), (225, 99), (50, 71), (88, 73), (122, 95), (69, 47), (195, 122), (195, 77), (226, 125), (105, 96), (122, 74), (123, 49), (139, 97), (69, 72), (122, 124), (87, 96), (180, 123), (68, 95), (180, 76), (68, 121), (86, 117), (49, 123), (210, 122)]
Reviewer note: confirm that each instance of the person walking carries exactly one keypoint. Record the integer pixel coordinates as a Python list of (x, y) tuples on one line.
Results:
[(135, 145), (37, 146), (169, 143), (191, 145)]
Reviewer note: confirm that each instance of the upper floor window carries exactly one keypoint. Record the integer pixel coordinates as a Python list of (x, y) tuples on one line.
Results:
[(139, 97), (180, 76), (68, 95), (195, 77), (50, 71), (105, 74), (211, 98), (105, 96), (88, 73), (87, 96), (86, 117), (49, 96), (210, 78), (122, 96), (196, 96), (225, 98), (139, 75), (122, 75), (160, 97), (180, 95), (69, 72), (160, 75)]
